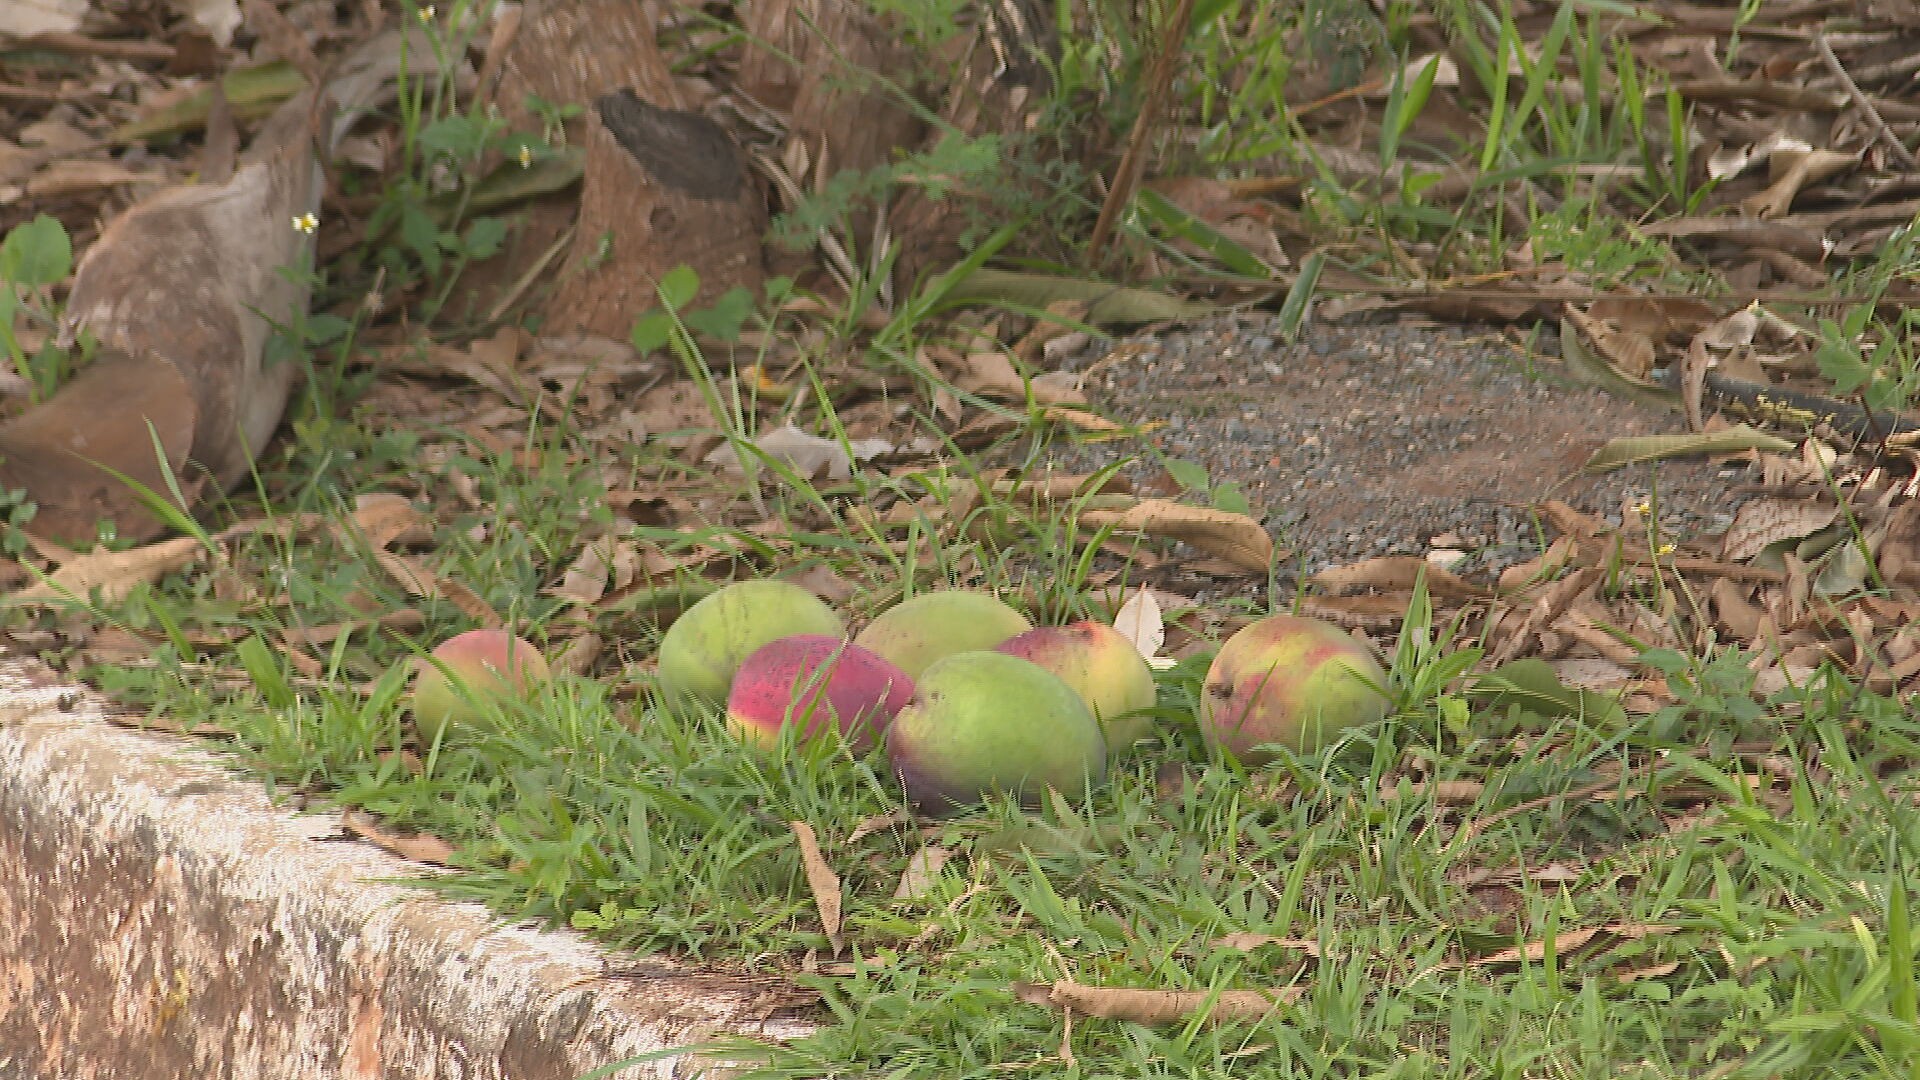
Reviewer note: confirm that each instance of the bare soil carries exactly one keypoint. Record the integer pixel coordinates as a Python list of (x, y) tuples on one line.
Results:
[(1383, 438)]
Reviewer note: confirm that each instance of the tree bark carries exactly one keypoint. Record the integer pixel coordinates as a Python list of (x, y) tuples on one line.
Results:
[(664, 186)]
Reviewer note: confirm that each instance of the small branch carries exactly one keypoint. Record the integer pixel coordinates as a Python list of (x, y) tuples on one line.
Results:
[(1900, 151), (1173, 39)]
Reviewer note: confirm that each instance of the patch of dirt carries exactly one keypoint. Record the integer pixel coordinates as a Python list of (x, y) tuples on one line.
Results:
[(1364, 440)]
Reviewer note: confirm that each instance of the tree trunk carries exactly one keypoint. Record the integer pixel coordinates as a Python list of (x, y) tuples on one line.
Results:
[(663, 186)]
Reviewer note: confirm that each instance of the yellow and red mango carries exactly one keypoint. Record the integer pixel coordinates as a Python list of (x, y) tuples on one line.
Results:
[(1289, 681), (1103, 667), (453, 684)]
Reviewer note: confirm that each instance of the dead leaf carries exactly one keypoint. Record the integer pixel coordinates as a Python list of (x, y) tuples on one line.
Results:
[(420, 847), (385, 519), (868, 826), (1568, 943), (1639, 449), (1247, 942), (586, 580), (417, 580), (1139, 621), (809, 456), (1792, 172), (1764, 521), (1396, 573), (217, 18), (822, 880), (1082, 419), (1235, 537), (136, 417), (1444, 792), (115, 573), (992, 375), (25, 18), (178, 292), (1152, 1007), (1629, 351), (922, 872)]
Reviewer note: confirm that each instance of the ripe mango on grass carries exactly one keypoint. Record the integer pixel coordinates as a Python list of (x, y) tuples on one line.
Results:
[(983, 722), (1291, 681), (453, 685), (815, 683), (1103, 667), (915, 633), (704, 647)]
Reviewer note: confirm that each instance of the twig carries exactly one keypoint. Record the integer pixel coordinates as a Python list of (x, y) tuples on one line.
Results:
[(1173, 40), (1860, 98), (1474, 828)]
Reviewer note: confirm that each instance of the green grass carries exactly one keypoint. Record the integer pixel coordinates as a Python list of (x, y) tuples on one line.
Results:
[(1755, 856)]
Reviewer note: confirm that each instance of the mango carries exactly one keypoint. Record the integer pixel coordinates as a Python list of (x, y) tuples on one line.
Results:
[(1103, 667), (914, 633), (983, 722), (454, 685), (816, 683), (704, 647), (1289, 681)]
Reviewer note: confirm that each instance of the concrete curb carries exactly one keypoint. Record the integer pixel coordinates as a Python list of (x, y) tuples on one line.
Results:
[(160, 918)]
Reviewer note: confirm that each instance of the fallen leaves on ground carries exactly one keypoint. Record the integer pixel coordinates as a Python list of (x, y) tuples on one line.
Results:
[(822, 880), (1156, 1007), (419, 847)]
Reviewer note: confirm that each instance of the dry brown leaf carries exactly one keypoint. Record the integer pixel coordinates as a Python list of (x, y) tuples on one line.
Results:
[(413, 576), (420, 847), (822, 880), (1397, 573), (1140, 622), (1152, 1007), (161, 722), (111, 414), (868, 826), (1235, 537), (586, 580), (922, 872), (406, 621), (1629, 351), (179, 293), (385, 519), (1444, 792), (1082, 419), (1370, 611), (26, 18), (577, 657), (1766, 520), (68, 178), (1665, 319), (808, 455), (993, 375), (1568, 943), (1653, 971), (1791, 172), (115, 573), (1248, 941)]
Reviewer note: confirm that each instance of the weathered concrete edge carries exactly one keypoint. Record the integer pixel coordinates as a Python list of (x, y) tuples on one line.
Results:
[(160, 918)]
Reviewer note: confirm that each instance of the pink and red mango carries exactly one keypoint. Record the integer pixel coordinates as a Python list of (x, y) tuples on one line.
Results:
[(815, 683)]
